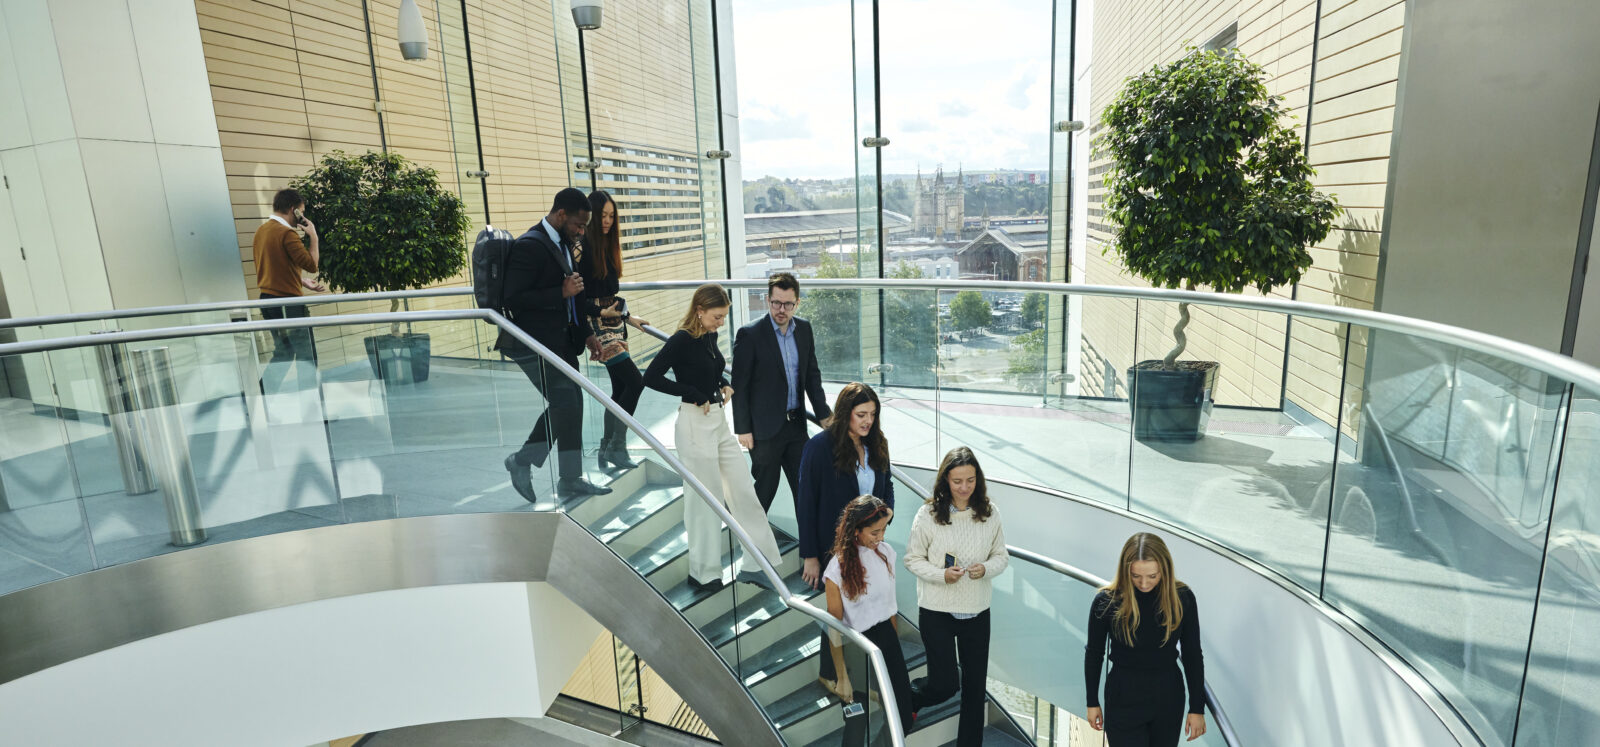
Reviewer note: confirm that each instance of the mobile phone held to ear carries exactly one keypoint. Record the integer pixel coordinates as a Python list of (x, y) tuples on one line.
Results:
[(299, 217), (949, 560)]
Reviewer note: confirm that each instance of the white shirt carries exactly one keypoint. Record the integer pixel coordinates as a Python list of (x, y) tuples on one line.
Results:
[(878, 602), (556, 237), (285, 223)]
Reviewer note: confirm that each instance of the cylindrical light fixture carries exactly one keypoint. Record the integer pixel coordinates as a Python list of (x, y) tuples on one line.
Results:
[(413, 36), (586, 13)]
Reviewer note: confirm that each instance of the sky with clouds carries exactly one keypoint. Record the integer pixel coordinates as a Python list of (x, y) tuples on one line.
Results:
[(964, 83)]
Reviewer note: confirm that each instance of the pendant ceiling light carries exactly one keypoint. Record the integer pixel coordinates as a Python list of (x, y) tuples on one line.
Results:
[(413, 35), (586, 13)]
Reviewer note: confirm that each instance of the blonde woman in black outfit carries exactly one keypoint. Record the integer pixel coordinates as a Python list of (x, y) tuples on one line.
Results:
[(1149, 617), (600, 264), (705, 442)]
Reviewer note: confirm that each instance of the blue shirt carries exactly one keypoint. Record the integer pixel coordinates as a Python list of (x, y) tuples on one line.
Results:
[(865, 477), (791, 365)]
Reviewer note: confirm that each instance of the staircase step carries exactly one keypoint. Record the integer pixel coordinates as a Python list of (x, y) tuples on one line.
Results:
[(631, 511)]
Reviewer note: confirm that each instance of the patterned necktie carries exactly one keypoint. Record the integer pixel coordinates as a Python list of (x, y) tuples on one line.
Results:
[(572, 263)]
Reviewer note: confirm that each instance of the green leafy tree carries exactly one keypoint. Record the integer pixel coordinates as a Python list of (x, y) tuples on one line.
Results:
[(385, 224), (835, 317), (1033, 309), (911, 330), (1206, 185), (969, 311), (1025, 361)]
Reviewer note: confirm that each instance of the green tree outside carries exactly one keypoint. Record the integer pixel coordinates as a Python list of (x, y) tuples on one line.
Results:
[(1026, 361), (969, 311), (835, 317), (1033, 309), (911, 330)]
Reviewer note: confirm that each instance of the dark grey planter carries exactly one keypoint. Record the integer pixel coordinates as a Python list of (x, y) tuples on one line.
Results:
[(1172, 405), (414, 351)]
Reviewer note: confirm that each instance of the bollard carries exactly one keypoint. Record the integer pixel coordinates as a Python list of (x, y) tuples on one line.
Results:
[(156, 396), (125, 427)]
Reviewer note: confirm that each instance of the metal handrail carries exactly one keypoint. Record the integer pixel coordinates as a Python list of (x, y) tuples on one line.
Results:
[(1218, 715), (1541, 360), (881, 668)]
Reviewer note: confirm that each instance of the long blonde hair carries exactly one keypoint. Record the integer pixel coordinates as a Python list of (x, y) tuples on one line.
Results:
[(1144, 546), (708, 296)]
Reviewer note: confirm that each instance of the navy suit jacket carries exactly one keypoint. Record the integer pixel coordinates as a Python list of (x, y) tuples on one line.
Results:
[(761, 386), (824, 492), (535, 272)]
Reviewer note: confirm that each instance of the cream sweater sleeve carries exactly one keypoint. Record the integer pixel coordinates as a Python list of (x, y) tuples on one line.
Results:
[(998, 557), (917, 549)]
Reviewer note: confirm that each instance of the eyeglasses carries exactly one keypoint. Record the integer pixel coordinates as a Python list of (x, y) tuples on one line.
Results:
[(782, 305)]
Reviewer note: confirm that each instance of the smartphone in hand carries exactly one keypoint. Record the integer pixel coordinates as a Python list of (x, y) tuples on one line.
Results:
[(299, 217), (949, 560)]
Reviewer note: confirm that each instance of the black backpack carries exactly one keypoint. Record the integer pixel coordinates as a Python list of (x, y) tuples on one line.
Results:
[(489, 254)]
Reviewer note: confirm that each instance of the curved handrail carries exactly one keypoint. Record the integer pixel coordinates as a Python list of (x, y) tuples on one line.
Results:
[(1218, 715), (1539, 359), (880, 667)]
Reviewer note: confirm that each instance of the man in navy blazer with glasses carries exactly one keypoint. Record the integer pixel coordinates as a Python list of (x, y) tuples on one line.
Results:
[(774, 372)]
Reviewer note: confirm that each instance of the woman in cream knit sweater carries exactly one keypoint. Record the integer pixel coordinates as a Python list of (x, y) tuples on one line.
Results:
[(956, 548)]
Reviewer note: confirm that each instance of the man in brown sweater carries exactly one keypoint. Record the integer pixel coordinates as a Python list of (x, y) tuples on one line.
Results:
[(280, 258)]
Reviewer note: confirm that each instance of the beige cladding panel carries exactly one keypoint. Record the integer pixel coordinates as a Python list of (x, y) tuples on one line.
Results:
[(293, 80)]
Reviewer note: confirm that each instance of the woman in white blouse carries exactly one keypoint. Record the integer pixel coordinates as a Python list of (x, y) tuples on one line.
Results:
[(860, 590)]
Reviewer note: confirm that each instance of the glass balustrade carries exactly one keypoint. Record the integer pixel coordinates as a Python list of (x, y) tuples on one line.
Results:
[(1438, 494)]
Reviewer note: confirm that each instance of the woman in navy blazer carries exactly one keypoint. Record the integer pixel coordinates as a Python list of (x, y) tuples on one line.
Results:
[(848, 459)]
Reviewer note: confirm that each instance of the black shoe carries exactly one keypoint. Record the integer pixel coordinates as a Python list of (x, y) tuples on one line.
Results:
[(753, 577), (521, 479), (574, 487), (615, 455), (703, 587)]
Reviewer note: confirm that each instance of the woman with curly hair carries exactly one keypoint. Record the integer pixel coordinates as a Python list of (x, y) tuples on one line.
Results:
[(860, 590)]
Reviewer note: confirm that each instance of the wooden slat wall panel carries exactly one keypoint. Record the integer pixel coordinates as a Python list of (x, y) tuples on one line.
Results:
[(1348, 128), (292, 80)]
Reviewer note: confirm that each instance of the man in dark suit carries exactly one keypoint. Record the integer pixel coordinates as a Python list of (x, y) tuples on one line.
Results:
[(542, 292), (774, 369)]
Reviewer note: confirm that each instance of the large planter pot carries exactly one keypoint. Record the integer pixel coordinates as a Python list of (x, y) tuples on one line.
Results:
[(1171, 405), (400, 359)]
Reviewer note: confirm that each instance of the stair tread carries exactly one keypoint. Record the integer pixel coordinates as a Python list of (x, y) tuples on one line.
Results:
[(633, 510)]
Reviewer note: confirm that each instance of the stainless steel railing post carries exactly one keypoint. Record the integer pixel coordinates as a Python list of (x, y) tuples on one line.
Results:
[(156, 396), (125, 426)]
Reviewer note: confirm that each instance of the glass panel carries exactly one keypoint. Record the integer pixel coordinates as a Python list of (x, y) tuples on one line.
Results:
[(1563, 679), (708, 135), (1258, 480), (43, 535), (1439, 506)]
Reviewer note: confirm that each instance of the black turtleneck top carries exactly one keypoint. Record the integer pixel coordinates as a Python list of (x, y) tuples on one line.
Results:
[(696, 365), (1147, 651)]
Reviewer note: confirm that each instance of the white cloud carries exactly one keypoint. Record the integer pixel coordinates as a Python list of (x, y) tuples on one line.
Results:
[(963, 84)]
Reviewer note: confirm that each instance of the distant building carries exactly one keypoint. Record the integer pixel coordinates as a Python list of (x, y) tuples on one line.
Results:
[(801, 236), (940, 206), (1006, 253)]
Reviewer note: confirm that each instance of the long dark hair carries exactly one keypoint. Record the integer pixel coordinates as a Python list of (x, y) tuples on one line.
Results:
[(1125, 619), (858, 514), (845, 456), (607, 247), (960, 456)]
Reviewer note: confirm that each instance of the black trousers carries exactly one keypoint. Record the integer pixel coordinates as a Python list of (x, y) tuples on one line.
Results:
[(1145, 707), (289, 346), (883, 636), (946, 638), (781, 453), (561, 421), (626, 386)]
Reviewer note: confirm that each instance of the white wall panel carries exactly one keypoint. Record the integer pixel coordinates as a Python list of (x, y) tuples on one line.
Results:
[(173, 65), (301, 674), (32, 216), (204, 239), (130, 206), (33, 50), (13, 270), (73, 223), (13, 112), (101, 68)]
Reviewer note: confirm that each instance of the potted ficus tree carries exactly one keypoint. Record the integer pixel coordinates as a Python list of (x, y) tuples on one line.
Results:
[(386, 225), (1207, 187)]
